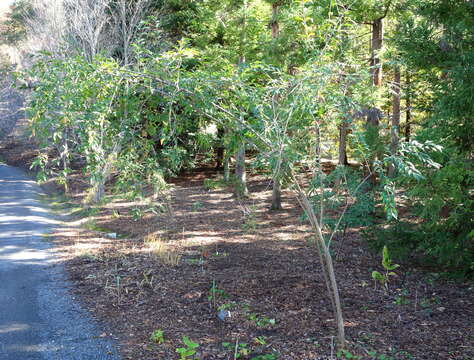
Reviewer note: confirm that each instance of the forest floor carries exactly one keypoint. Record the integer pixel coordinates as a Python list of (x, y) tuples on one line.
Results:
[(142, 268)]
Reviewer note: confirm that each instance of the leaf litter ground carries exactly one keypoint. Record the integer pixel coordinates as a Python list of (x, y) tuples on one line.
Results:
[(209, 253)]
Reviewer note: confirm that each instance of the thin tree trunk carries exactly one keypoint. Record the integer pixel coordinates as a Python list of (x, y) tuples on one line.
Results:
[(372, 125), (276, 191), (276, 194), (98, 186), (65, 161), (376, 47), (408, 106), (219, 150), (240, 174), (275, 25), (327, 267), (226, 167), (335, 291), (395, 119), (376, 71), (343, 143), (125, 32)]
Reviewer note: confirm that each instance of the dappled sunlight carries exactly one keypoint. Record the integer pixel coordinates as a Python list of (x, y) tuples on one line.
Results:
[(65, 232), (23, 222), (13, 327), (25, 255), (39, 348), (200, 238), (24, 219), (12, 256), (91, 245)]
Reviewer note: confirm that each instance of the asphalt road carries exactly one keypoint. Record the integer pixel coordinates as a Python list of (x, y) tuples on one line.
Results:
[(39, 319)]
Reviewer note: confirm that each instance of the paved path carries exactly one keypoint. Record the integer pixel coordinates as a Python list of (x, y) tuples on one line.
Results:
[(39, 320)]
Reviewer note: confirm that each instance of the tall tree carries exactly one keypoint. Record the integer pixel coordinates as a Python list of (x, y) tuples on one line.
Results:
[(377, 42), (395, 128), (276, 189), (240, 171), (408, 111)]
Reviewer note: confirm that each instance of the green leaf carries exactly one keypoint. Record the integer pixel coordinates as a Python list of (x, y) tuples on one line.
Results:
[(377, 276), (189, 343)]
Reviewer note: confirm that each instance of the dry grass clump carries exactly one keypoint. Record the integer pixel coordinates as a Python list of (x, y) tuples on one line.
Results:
[(161, 250)]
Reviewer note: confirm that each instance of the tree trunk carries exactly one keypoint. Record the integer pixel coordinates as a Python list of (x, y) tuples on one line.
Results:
[(276, 190), (226, 167), (376, 47), (343, 143), (376, 71), (275, 25), (395, 118), (240, 175), (408, 106), (276, 194), (372, 129), (327, 267), (98, 185), (317, 147), (65, 160), (335, 292), (219, 151)]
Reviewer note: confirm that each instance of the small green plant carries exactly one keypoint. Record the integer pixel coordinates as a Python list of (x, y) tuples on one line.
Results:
[(90, 225), (210, 184), (264, 321), (197, 205), (219, 253), (265, 357), (136, 213), (387, 264), (227, 306), (344, 354), (366, 338), (239, 350), (406, 355), (250, 219), (432, 278), (260, 340), (373, 354), (428, 303), (157, 336), (89, 256), (261, 321), (402, 299), (86, 212), (188, 350), (216, 294), (155, 209)]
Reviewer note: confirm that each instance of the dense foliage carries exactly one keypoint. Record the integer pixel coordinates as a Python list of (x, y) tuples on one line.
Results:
[(291, 82), (437, 42), (133, 92)]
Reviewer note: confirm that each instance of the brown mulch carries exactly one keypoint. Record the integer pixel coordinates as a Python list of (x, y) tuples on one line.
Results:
[(266, 273)]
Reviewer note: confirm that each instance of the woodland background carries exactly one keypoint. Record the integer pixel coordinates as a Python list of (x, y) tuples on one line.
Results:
[(361, 110)]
